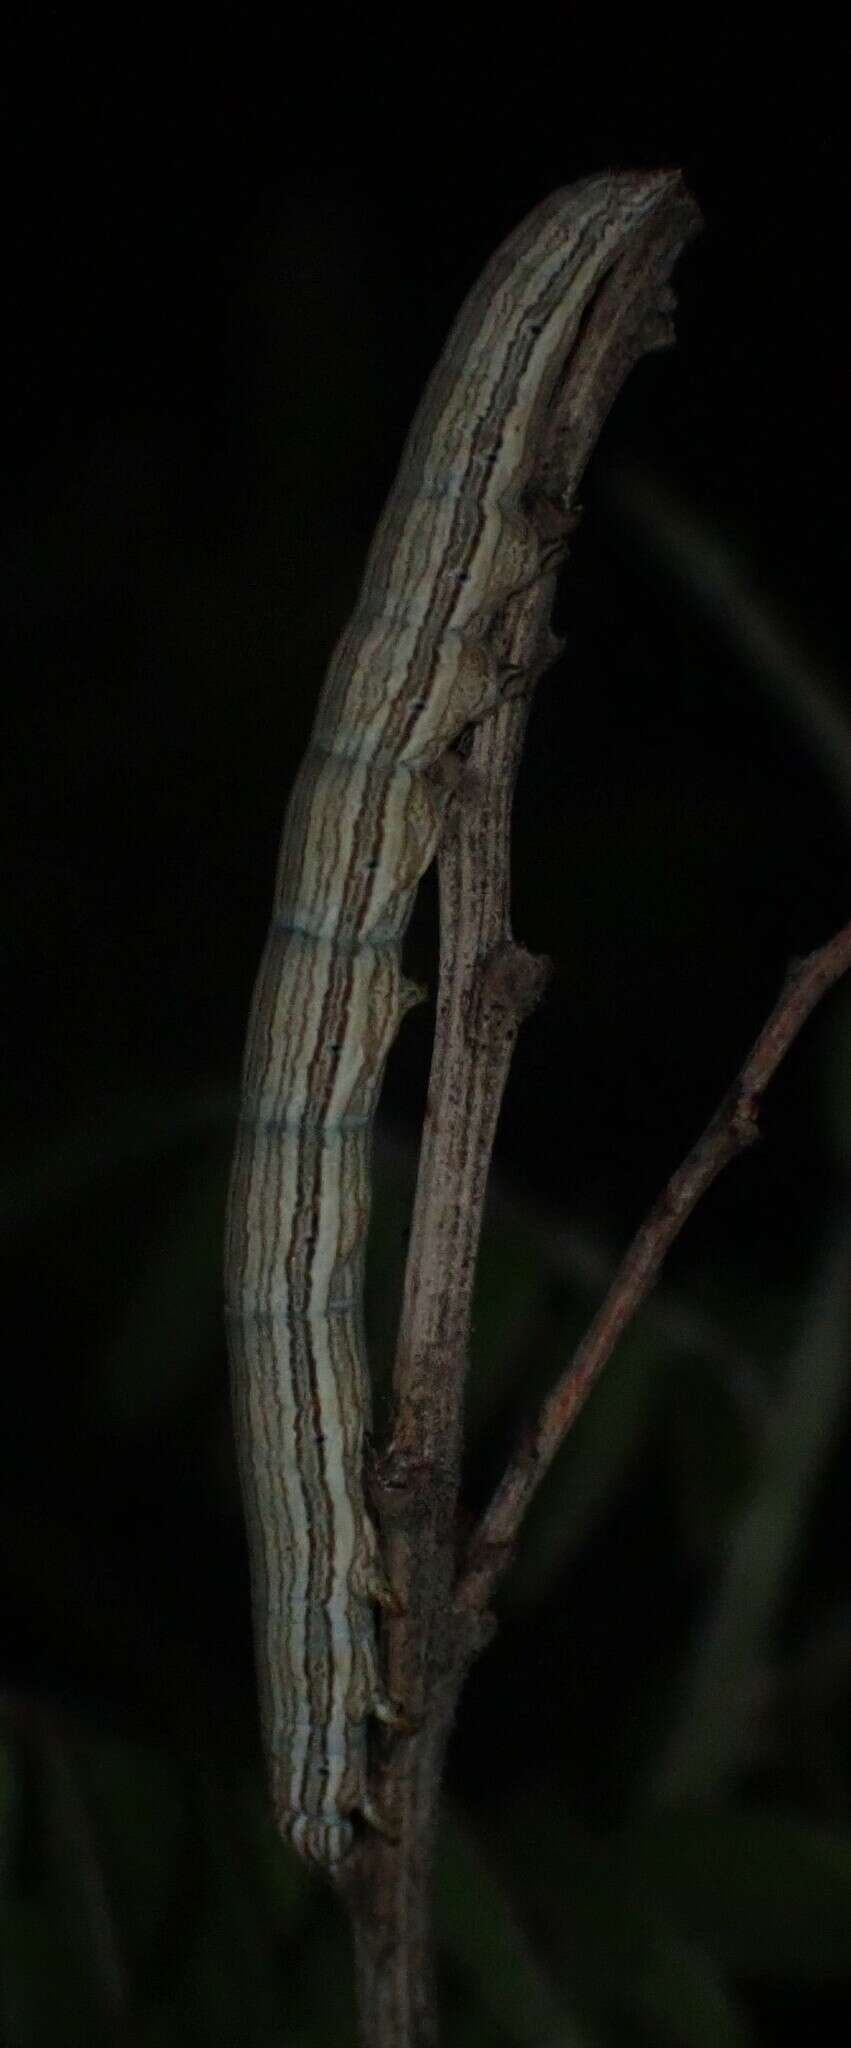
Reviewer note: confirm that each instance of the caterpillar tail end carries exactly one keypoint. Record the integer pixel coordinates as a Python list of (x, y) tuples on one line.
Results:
[(323, 1842)]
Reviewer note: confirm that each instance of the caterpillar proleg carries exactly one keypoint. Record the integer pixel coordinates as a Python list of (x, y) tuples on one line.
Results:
[(412, 668)]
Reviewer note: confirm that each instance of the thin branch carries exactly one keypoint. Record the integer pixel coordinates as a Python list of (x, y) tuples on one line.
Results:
[(573, 1256), (730, 1130), (487, 985)]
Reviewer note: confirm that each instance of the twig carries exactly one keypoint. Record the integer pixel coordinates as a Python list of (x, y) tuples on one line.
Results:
[(730, 1130), (487, 985), (573, 1257)]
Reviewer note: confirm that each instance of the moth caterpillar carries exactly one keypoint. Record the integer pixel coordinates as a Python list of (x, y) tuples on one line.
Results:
[(412, 668)]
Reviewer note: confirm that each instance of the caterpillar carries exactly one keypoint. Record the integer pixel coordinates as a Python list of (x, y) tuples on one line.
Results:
[(413, 668)]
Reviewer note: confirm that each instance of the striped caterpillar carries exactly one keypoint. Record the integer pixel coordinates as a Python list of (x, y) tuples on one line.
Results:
[(414, 666)]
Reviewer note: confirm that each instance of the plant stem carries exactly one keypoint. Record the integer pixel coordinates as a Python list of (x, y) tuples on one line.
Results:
[(487, 985)]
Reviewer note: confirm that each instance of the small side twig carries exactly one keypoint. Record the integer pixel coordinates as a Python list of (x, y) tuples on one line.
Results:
[(729, 1131)]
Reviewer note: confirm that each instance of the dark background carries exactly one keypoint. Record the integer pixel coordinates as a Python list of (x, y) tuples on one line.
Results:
[(231, 254)]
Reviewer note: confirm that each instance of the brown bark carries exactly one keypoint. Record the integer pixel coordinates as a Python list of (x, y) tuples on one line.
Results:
[(487, 985)]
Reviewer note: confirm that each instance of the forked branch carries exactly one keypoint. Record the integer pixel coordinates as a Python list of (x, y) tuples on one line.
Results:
[(733, 1127)]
